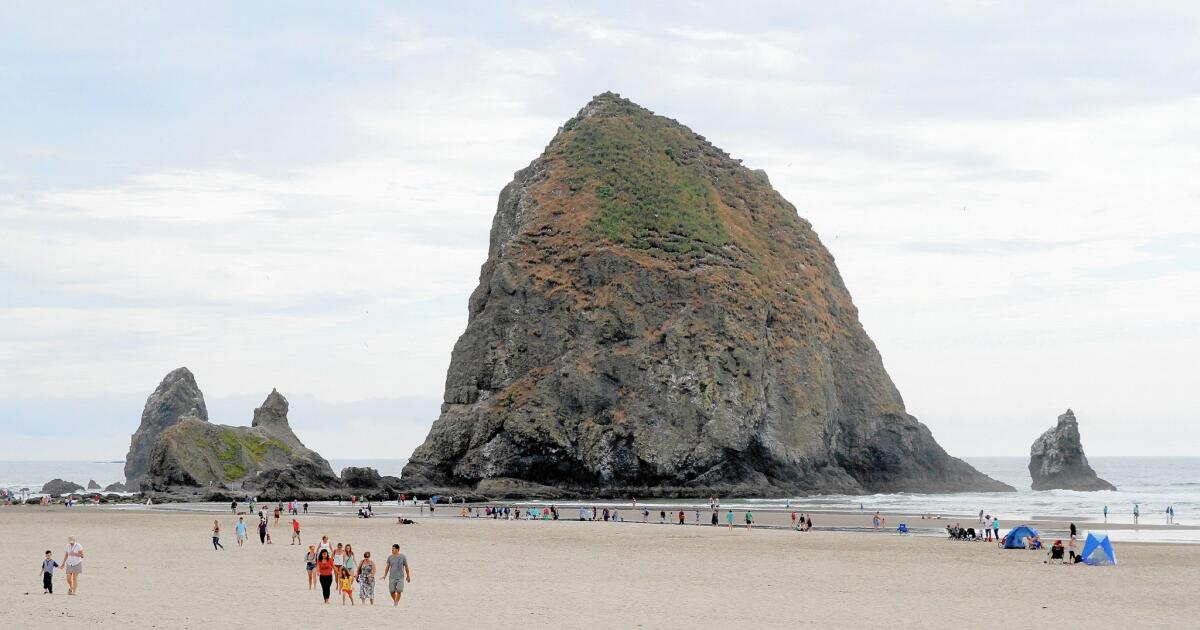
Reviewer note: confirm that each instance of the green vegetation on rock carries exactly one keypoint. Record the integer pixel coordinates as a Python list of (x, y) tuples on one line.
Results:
[(647, 178)]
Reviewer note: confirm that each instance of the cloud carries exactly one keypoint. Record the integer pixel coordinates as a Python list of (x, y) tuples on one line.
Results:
[(302, 199)]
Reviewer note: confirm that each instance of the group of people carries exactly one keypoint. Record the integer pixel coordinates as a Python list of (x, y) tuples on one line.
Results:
[(1057, 556), (800, 522), (327, 564), (264, 533), (989, 529)]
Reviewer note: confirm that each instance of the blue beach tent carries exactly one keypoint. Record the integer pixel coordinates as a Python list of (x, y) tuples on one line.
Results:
[(1098, 550), (1016, 537)]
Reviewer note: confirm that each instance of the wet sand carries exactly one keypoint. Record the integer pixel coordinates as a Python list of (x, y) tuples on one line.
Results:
[(157, 568)]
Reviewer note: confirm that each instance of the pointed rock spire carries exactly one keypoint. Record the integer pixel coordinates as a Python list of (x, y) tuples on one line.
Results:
[(176, 397)]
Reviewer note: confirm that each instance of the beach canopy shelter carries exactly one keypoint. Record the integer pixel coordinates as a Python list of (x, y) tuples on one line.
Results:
[(1098, 550), (1017, 535)]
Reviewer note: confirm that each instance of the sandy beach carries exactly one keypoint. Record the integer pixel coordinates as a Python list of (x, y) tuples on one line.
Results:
[(157, 569)]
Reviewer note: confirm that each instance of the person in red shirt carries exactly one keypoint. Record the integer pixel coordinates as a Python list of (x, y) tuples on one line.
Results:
[(325, 573), (295, 532)]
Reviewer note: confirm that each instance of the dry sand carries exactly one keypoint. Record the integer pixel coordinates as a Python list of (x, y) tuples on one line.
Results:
[(157, 569)]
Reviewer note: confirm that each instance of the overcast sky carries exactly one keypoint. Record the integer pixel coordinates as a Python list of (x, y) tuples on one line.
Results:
[(299, 196)]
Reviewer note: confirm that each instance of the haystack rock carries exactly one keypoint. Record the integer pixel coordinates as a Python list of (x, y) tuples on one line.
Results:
[(1057, 462), (175, 397), (92, 485), (188, 452), (654, 319)]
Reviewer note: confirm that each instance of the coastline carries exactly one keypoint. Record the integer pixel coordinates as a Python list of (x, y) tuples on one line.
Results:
[(156, 567)]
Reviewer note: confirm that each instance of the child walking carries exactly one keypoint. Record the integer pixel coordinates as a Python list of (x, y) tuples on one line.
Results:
[(346, 584), (48, 566)]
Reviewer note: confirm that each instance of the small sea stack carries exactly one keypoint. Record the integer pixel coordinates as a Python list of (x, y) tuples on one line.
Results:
[(1057, 462)]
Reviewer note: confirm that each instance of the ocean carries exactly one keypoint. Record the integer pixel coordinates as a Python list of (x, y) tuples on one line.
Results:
[(1153, 483)]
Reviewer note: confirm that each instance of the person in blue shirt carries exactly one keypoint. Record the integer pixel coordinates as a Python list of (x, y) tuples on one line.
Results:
[(1106, 514), (239, 529)]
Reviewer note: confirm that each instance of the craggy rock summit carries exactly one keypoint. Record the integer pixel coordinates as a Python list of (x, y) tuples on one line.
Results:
[(1057, 462), (654, 318), (188, 452), (175, 397)]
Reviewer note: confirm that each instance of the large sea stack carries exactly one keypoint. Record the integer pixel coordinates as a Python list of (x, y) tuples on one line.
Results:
[(178, 450), (1057, 462), (654, 319)]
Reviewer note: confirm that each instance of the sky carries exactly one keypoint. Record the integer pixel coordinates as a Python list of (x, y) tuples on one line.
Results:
[(299, 196)]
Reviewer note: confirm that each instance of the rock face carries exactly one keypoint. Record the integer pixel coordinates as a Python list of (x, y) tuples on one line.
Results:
[(367, 482), (55, 487), (175, 397), (193, 452), (654, 319), (188, 452), (92, 485), (1057, 462), (115, 487)]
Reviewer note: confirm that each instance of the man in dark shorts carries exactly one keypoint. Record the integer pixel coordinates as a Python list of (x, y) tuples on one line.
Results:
[(397, 573)]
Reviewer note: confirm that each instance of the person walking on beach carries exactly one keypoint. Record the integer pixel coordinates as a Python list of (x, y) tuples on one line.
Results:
[(306, 507), (73, 565), (1136, 512), (662, 517), (233, 507), (217, 535), (729, 519), (681, 517), (349, 560), (239, 531), (325, 573), (397, 563), (996, 527), (295, 532), (310, 566), (875, 520), (714, 517), (366, 579), (262, 531), (346, 585), (48, 566), (749, 520), (325, 545), (1106, 514)]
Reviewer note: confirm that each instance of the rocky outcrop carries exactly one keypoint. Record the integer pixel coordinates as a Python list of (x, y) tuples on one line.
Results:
[(55, 487), (177, 452), (92, 485), (1057, 462), (176, 397), (654, 319), (367, 482), (115, 487), (193, 452)]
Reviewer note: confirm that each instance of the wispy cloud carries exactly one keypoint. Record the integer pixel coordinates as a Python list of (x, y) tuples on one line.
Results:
[(302, 199)]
